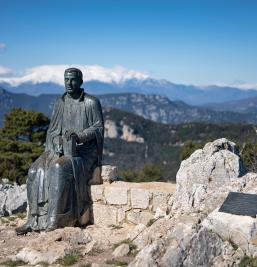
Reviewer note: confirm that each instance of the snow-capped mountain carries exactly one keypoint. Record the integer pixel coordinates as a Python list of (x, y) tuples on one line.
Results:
[(98, 80)]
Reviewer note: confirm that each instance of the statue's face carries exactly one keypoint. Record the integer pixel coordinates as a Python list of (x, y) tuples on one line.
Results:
[(72, 83)]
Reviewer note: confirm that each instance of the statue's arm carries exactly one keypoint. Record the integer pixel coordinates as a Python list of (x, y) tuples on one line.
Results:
[(53, 139), (97, 126)]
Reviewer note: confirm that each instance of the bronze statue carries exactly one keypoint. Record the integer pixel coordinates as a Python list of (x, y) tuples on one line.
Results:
[(57, 185)]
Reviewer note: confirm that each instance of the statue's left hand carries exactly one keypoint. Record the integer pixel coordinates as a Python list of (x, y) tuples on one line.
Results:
[(69, 133)]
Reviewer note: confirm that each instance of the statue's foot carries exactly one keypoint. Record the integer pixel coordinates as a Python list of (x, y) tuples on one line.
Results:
[(51, 227), (24, 229)]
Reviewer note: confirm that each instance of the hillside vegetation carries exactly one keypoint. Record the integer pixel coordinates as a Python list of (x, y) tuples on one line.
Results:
[(157, 158)]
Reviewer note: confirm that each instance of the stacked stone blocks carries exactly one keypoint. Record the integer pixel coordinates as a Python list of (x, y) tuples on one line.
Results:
[(123, 202)]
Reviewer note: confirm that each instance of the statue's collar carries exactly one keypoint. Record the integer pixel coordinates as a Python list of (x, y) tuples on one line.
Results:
[(81, 98)]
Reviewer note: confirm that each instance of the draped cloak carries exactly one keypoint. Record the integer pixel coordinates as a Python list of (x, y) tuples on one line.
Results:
[(64, 194)]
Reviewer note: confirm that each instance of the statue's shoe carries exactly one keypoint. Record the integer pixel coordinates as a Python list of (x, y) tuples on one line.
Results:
[(24, 229), (51, 227)]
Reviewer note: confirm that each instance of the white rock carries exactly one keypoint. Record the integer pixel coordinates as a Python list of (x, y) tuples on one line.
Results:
[(97, 192), (149, 256), (138, 229), (13, 199), (104, 214), (121, 250), (33, 256), (159, 199), (109, 173), (104, 174), (140, 198), (139, 216), (235, 228), (212, 167), (116, 195)]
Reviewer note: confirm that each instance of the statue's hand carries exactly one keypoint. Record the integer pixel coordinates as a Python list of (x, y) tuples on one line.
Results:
[(69, 133), (59, 146)]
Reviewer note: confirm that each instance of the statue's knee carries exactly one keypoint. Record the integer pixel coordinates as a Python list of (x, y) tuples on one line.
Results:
[(63, 164)]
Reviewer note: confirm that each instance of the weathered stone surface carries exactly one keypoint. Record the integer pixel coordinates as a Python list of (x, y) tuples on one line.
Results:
[(161, 211), (204, 247), (159, 199), (96, 192), (13, 199), (140, 198), (209, 168), (104, 214), (121, 215), (49, 247), (149, 256), (138, 229), (238, 229), (139, 216), (109, 173), (116, 195), (104, 174), (121, 250)]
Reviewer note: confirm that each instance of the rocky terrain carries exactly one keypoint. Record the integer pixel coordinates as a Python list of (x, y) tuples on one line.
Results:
[(151, 224)]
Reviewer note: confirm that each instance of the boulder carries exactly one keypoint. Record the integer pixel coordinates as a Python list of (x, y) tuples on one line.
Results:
[(104, 174), (13, 198), (121, 251), (210, 168), (239, 230)]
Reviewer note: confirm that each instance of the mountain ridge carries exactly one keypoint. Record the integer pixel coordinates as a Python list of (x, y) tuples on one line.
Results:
[(155, 107), (190, 94)]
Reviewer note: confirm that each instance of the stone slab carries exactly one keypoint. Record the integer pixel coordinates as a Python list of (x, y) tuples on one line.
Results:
[(116, 195), (140, 198)]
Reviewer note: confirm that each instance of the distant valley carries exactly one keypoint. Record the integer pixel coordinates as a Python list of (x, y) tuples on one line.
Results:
[(154, 107), (133, 141)]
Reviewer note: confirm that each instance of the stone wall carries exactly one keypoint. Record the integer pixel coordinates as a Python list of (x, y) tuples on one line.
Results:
[(133, 203)]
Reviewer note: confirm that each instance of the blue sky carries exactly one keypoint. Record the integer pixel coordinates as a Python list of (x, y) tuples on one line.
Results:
[(192, 42)]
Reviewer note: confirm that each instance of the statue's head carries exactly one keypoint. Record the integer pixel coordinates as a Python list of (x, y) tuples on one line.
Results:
[(73, 79)]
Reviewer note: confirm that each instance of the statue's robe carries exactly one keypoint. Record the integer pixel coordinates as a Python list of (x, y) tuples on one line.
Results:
[(57, 185)]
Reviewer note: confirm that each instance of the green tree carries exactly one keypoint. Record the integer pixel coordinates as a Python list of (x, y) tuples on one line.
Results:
[(149, 173), (189, 148), (25, 125), (249, 156), (22, 139)]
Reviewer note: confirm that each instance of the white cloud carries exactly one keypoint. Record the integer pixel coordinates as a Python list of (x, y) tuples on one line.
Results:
[(54, 73), (2, 46), (5, 71)]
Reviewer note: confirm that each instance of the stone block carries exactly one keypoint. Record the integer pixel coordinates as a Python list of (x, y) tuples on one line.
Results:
[(109, 173), (104, 215), (140, 198), (116, 195), (159, 199), (97, 192), (139, 216)]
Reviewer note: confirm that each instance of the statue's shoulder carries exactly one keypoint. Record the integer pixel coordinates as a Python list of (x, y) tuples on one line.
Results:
[(91, 99)]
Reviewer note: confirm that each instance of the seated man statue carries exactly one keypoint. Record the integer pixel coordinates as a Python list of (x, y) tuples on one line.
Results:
[(57, 184)]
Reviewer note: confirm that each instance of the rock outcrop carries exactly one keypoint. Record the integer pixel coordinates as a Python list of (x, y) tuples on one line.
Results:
[(207, 169), (198, 234), (13, 198), (167, 227)]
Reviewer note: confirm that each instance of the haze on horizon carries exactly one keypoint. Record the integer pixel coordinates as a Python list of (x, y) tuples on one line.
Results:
[(189, 42)]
